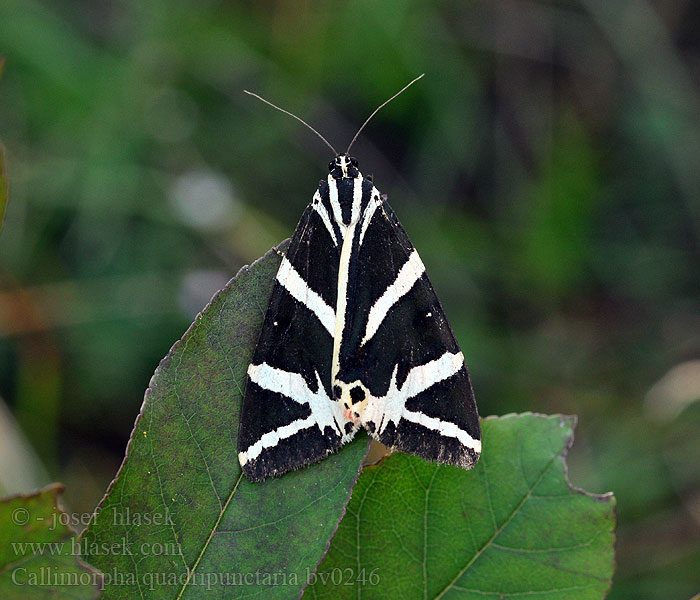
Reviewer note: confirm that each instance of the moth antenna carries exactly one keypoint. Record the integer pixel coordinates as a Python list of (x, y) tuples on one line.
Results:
[(382, 105), (286, 112)]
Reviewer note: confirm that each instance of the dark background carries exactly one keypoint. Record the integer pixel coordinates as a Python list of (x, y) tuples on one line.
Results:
[(547, 168)]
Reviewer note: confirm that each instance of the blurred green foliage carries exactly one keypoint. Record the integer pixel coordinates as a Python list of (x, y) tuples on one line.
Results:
[(3, 180), (547, 168)]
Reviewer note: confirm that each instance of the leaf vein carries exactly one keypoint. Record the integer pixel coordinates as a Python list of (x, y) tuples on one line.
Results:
[(510, 517), (191, 571)]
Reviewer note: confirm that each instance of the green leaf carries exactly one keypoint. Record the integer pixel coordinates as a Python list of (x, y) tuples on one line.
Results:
[(511, 527), (39, 553), (181, 520)]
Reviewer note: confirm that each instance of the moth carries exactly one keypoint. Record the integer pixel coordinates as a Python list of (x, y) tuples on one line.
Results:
[(354, 336)]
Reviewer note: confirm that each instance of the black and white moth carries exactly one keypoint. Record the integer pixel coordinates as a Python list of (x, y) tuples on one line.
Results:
[(354, 336)]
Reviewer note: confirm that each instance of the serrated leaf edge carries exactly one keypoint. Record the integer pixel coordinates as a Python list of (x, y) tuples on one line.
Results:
[(571, 421), (162, 364), (55, 490)]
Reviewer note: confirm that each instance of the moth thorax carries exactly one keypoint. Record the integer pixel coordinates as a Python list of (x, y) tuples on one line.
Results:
[(353, 398), (343, 167)]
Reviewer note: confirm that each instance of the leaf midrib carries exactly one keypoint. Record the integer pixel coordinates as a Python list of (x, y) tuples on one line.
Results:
[(211, 535), (498, 531)]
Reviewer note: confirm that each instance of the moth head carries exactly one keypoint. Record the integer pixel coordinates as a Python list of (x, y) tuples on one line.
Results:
[(344, 166)]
